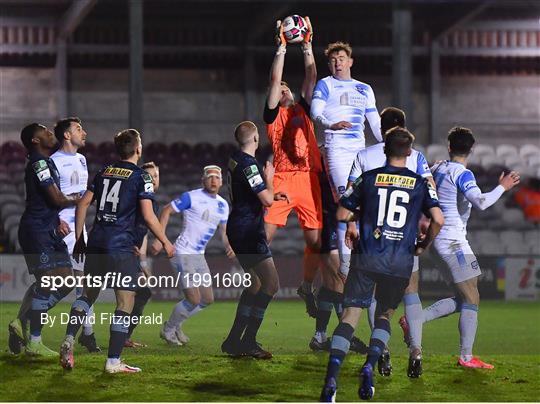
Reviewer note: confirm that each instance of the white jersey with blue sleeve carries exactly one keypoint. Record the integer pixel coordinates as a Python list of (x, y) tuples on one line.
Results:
[(73, 179), (203, 213), (345, 100), (458, 192), (373, 157)]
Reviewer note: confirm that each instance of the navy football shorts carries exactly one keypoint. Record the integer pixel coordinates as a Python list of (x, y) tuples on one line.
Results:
[(43, 250), (359, 287), (249, 245), (126, 265)]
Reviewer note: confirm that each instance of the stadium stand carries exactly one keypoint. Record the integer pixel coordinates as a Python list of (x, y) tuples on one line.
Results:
[(502, 229)]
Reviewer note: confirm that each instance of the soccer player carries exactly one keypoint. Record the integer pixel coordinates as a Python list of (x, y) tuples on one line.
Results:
[(458, 191), (330, 296), (251, 190), (73, 182), (369, 159), (45, 252), (340, 105), (142, 294), (388, 202), (119, 190), (204, 211), (297, 162)]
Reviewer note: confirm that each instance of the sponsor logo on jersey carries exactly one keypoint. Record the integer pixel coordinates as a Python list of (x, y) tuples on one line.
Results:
[(392, 180), (253, 176), (117, 172), (432, 191)]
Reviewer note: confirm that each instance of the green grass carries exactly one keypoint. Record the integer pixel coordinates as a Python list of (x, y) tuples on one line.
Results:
[(508, 336)]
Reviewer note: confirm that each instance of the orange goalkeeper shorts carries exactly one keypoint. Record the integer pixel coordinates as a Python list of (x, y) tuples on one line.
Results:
[(304, 193)]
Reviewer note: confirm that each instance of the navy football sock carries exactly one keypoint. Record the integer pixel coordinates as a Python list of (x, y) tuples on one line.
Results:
[(77, 315), (40, 306), (341, 341), (141, 298), (260, 303), (119, 331), (379, 338), (243, 312)]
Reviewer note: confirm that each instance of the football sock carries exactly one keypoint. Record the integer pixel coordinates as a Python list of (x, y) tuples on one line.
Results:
[(243, 312), (414, 315), (468, 322), (40, 306), (441, 308), (77, 315), (344, 251), (88, 328), (180, 312), (118, 331), (338, 304), (310, 265), (341, 341), (371, 313), (141, 298), (325, 305), (260, 303), (379, 338), (26, 305)]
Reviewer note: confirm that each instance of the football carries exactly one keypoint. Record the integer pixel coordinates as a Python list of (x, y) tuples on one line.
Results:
[(294, 28)]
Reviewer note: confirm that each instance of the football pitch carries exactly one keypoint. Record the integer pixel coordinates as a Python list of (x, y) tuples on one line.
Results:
[(508, 336)]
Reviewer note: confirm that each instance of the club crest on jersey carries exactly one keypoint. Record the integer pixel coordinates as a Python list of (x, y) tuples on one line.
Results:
[(392, 180), (117, 172), (253, 176), (361, 89)]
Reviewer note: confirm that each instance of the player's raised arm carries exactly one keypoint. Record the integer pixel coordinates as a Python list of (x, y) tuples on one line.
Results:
[(310, 69), (276, 71), (467, 185)]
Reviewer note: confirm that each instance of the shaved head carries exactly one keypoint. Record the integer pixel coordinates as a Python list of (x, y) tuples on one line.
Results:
[(245, 133)]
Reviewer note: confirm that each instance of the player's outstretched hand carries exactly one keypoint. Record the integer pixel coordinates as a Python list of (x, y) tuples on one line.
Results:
[(280, 36), (351, 235), (309, 35), (281, 196), (269, 171), (156, 247), (509, 180), (169, 249), (63, 228), (341, 125), (79, 249)]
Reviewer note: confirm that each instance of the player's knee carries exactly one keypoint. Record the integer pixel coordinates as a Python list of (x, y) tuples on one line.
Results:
[(194, 299), (207, 301), (143, 295)]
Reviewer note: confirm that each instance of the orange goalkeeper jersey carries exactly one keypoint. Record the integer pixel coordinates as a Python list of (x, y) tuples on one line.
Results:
[(292, 136)]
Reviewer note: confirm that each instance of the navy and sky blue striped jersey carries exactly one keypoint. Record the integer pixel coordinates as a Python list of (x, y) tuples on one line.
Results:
[(117, 189), (245, 178), (40, 214), (391, 200)]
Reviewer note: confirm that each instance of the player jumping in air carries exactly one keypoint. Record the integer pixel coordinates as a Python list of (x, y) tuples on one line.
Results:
[(388, 202), (73, 182), (368, 159), (458, 191), (340, 105), (45, 252), (297, 161), (251, 190), (204, 211), (142, 294), (119, 190)]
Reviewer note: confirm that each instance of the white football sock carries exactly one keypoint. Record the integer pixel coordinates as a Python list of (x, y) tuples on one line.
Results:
[(440, 308), (88, 328), (414, 316), (468, 323), (344, 251)]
